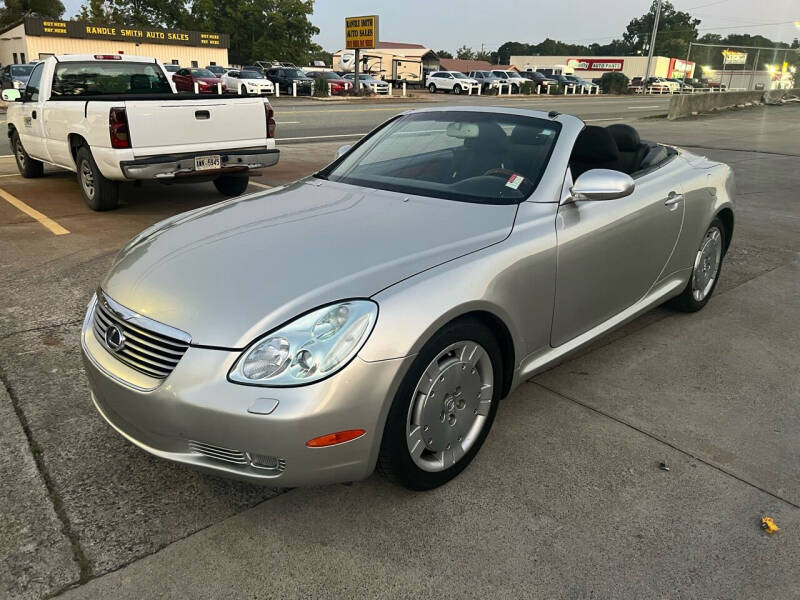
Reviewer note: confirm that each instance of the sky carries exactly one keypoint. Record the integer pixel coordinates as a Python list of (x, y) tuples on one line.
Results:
[(449, 24)]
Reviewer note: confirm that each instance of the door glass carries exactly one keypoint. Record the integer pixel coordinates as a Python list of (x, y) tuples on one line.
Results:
[(32, 89)]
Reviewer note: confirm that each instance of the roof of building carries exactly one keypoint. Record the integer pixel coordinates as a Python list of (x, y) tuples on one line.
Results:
[(465, 66), (382, 44)]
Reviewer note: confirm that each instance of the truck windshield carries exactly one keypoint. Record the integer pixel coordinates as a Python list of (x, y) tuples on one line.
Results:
[(99, 78)]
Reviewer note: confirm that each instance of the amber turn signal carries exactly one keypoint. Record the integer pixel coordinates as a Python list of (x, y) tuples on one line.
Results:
[(335, 438)]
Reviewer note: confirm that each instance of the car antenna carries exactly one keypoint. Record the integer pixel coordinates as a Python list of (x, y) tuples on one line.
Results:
[(553, 114)]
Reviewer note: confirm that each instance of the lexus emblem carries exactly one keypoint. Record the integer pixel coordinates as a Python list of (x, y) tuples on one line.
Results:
[(115, 338)]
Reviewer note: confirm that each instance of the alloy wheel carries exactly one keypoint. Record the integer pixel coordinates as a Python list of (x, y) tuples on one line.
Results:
[(706, 264), (450, 406), (19, 152), (87, 179)]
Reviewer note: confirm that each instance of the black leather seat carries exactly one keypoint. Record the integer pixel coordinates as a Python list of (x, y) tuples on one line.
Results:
[(594, 149), (631, 149)]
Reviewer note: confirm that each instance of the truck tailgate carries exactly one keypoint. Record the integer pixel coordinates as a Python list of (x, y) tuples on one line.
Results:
[(172, 126)]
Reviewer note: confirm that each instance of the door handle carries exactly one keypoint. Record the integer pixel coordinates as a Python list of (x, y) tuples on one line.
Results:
[(673, 199), (33, 114)]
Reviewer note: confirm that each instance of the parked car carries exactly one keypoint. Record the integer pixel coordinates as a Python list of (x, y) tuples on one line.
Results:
[(339, 84), (655, 85), (114, 118), (506, 77), (285, 77), (429, 286), (451, 81), (487, 79), (254, 68), (539, 79), (15, 76), (171, 69), (217, 70), (580, 82), (247, 82), (378, 86), (206, 81)]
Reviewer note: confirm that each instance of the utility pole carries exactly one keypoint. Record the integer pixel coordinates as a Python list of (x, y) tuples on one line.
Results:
[(356, 80), (652, 46)]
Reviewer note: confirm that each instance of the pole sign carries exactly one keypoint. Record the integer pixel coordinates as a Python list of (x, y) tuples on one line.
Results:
[(733, 57), (361, 32), (594, 64), (36, 26)]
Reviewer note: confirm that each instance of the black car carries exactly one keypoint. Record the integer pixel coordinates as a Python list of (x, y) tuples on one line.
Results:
[(15, 76), (538, 78), (284, 77)]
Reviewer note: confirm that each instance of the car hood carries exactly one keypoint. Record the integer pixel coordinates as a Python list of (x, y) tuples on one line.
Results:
[(230, 272)]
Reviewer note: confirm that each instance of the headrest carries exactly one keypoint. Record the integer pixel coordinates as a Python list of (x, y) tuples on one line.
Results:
[(490, 136), (595, 144), (530, 136), (625, 136)]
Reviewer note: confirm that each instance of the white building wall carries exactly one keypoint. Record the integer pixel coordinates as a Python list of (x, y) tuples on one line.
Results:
[(632, 66)]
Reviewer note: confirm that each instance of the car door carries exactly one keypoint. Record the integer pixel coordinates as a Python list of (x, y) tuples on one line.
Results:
[(610, 253), (32, 131), (180, 79)]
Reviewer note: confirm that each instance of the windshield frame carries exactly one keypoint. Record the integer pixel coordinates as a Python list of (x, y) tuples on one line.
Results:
[(441, 194)]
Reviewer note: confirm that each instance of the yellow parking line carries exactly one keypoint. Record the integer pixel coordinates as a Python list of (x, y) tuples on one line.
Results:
[(261, 185), (54, 227)]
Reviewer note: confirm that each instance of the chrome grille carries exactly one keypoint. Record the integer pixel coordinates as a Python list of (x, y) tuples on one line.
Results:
[(271, 464), (150, 347)]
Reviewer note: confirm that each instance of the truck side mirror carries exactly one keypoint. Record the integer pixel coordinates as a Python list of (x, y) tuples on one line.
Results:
[(11, 95)]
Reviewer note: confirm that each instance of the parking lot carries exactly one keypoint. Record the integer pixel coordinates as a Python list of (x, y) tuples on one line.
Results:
[(567, 498)]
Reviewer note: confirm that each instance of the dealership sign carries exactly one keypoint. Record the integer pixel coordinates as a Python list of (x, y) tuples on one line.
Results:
[(361, 32), (594, 64), (732, 57), (36, 26)]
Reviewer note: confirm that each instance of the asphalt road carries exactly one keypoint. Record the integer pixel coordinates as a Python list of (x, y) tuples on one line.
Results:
[(565, 500)]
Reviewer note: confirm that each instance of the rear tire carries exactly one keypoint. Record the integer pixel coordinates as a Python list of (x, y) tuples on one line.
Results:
[(232, 185), (706, 270), (98, 192), (28, 167), (432, 89), (462, 362)]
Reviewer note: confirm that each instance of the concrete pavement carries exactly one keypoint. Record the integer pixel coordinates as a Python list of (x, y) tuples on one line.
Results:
[(566, 499)]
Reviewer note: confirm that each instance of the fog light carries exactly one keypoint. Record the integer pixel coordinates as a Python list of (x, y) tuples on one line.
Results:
[(263, 461)]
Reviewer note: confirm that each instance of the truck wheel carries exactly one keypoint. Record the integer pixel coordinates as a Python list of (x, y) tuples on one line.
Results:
[(432, 89), (98, 192), (232, 185), (28, 167)]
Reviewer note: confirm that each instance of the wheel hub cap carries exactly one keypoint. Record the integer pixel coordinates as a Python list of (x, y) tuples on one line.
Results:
[(706, 264), (450, 406)]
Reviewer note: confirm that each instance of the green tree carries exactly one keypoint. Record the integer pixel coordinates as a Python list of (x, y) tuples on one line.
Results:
[(483, 55), (675, 30), (259, 29), (14, 10), (136, 13), (444, 54), (465, 53)]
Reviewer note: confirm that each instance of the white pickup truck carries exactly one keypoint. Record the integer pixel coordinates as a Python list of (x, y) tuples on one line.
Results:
[(114, 118)]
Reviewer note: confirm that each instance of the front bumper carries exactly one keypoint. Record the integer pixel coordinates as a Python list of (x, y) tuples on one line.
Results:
[(197, 417), (182, 165)]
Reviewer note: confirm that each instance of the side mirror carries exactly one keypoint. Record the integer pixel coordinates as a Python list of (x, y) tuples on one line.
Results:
[(602, 184), (11, 95), (343, 150)]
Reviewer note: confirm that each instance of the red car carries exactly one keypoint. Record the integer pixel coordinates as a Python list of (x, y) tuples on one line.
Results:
[(338, 85), (206, 81)]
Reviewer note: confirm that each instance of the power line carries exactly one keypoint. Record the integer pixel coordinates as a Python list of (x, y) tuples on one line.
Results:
[(704, 5)]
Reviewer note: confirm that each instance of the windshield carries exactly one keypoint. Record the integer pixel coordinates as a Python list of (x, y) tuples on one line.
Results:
[(21, 71), (108, 77), (172, 68), (502, 74), (295, 73), (484, 157), (202, 73), (327, 75), (365, 77), (458, 75), (250, 75), (514, 75)]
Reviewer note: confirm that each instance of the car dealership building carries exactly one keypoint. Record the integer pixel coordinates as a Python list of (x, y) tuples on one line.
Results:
[(590, 67), (36, 38)]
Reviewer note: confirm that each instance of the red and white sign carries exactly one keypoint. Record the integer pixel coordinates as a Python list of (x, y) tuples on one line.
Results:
[(595, 64), (678, 67)]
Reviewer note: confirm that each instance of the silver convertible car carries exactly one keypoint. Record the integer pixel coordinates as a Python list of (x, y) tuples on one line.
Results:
[(375, 313)]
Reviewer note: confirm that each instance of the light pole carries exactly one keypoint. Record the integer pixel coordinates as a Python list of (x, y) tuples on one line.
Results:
[(652, 46)]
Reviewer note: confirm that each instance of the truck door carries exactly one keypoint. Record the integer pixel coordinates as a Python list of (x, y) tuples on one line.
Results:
[(32, 127)]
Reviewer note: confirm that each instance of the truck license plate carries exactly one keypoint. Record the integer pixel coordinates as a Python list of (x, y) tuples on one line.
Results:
[(204, 163)]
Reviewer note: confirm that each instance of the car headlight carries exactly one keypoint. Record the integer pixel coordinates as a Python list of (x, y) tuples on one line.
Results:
[(309, 348)]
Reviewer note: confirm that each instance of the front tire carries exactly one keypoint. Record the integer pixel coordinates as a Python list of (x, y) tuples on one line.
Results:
[(98, 192), (432, 88), (457, 89), (232, 185), (706, 270), (28, 167), (444, 407)]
